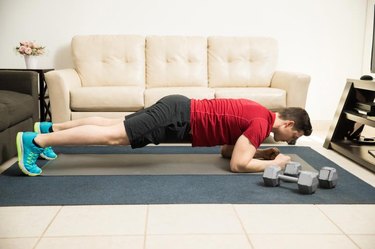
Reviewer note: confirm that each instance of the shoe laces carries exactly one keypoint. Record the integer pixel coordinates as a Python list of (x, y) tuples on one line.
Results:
[(32, 157)]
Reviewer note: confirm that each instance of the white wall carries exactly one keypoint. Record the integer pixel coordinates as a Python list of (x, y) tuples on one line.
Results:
[(323, 38), (368, 38)]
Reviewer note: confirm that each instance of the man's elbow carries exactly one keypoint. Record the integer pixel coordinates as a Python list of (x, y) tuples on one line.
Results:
[(237, 167)]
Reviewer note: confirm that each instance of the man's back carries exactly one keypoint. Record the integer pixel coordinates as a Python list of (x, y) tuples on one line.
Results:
[(223, 121)]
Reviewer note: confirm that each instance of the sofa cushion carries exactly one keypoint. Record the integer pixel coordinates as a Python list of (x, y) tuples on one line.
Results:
[(4, 120), (241, 61), (152, 95), (110, 60), (174, 61), (107, 99), (15, 107), (271, 98)]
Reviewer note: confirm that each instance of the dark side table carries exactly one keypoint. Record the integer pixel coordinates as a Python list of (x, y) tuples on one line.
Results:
[(44, 105)]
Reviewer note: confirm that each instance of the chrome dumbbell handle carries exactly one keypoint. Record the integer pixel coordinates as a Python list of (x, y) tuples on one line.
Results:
[(288, 178)]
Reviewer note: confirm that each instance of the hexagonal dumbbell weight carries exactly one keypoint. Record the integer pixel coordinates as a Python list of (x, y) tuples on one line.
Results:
[(293, 169), (327, 177), (307, 181)]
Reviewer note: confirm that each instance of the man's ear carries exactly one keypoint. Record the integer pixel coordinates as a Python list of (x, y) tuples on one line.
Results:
[(289, 123)]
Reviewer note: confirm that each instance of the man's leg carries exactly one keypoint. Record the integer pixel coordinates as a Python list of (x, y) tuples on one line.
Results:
[(30, 144), (48, 127), (99, 121), (85, 135)]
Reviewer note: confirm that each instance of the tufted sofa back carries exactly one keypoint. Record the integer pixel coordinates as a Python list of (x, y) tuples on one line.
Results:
[(241, 61), (174, 61), (109, 60)]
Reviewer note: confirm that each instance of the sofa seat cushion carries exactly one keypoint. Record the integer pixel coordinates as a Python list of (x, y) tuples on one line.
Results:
[(4, 120), (152, 95), (271, 98), (107, 99), (14, 108)]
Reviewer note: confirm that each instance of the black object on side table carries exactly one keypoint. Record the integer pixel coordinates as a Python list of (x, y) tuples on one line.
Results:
[(355, 110)]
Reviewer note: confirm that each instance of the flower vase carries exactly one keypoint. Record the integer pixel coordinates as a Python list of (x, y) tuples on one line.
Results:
[(31, 61)]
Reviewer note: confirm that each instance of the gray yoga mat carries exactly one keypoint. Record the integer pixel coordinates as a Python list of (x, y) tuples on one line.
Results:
[(20, 190), (141, 164)]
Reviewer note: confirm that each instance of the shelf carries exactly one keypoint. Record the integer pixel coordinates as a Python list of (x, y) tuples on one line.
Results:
[(358, 152), (360, 118), (346, 120), (362, 84)]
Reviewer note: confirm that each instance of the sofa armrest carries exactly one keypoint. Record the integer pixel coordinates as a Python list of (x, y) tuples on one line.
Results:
[(25, 82), (296, 86), (59, 83), (19, 81)]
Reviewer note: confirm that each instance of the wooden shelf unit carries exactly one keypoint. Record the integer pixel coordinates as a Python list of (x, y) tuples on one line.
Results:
[(347, 119)]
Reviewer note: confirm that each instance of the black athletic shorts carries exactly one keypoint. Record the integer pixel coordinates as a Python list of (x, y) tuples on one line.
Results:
[(167, 121)]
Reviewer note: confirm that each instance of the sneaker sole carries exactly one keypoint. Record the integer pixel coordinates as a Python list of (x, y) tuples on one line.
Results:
[(46, 157), (37, 128), (20, 157)]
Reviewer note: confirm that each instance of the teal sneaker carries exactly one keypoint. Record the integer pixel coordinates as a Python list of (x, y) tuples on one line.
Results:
[(28, 153), (43, 128)]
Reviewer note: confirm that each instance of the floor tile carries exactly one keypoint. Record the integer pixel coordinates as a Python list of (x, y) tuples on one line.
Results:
[(25, 221), (18, 243), (352, 219), (193, 219), (307, 241), (347, 164), (285, 219), (99, 220), (110, 242), (197, 242), (364, 241)]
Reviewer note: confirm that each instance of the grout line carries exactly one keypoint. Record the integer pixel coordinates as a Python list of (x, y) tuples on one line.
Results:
[(48, 226), (83, 236), (243, 227), (146, 226), (338, 227)]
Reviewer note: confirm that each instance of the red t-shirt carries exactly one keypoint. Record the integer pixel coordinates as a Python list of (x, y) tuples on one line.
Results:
[(223, 121)]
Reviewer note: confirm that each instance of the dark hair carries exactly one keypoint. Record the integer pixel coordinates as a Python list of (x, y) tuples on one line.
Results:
[(299, 116)]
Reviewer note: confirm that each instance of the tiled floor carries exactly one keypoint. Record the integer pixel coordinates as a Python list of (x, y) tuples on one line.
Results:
[(195, 226)]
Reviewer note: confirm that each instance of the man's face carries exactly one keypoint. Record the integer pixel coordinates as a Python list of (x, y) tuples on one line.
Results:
[(286, 133)]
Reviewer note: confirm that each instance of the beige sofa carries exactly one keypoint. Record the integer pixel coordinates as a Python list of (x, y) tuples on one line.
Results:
[(115, 75)]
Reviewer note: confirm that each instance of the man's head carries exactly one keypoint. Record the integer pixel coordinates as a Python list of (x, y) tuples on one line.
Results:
[(291, 123)]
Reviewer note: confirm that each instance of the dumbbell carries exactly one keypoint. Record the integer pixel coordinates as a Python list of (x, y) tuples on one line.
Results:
[(307, 181), (327, 175), (292, 169)]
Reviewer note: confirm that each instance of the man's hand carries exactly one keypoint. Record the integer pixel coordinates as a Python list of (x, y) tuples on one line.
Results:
[(243, 157), (267, 154), (281, 160), (227, 150)]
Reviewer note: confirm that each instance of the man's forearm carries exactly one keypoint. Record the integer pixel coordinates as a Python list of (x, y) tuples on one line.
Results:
[(254, 166), (267, 154)]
